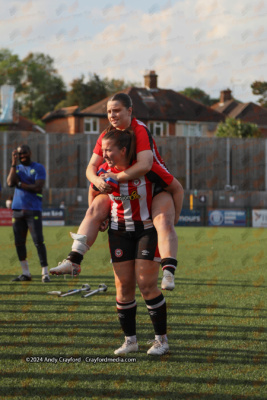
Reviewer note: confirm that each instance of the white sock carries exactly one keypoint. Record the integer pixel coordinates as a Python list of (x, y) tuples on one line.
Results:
[(25, 268), (44, 270), (161, 338), (79, 243), (131, 338)]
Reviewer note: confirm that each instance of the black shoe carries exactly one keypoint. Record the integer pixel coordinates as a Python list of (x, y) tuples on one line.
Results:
[(22, 278)]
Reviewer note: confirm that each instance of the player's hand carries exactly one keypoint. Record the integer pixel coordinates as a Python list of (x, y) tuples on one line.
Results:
[(110, 175), (104, 225), (101, 185), (15, 157)]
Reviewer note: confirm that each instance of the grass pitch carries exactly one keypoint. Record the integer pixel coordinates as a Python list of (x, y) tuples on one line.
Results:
[(58, 348)]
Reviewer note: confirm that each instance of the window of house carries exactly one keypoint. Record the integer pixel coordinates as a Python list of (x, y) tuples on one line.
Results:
[(192, 130), (158, 128), (91, 125)]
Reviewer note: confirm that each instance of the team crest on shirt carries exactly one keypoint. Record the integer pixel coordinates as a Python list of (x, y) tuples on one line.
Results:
[(118, 253), (32, 171), (136, 182)]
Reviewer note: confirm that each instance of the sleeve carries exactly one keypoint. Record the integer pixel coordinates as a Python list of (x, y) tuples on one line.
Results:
[(144, 139), (159, 175), (98, 147), (40, 172)]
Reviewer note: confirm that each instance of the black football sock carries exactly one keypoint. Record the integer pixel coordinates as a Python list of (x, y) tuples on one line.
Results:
[(158, 313), (75, 257), (170, 264), (127, 314)]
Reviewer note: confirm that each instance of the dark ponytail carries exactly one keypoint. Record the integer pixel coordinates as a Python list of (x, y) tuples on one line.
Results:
[(122, 139), (124, 98)]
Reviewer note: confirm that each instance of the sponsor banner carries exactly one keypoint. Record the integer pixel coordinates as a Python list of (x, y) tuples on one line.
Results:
[(53, 217), (227, 218), (259, 218), (7, 101), (190, 218), (5, 217)]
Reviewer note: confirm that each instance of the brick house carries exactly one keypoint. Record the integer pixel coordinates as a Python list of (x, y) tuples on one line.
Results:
[(64, 120), (247, 112), (164, 111)]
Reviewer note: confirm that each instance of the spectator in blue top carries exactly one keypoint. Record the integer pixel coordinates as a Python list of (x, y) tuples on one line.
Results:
[(28, 177)]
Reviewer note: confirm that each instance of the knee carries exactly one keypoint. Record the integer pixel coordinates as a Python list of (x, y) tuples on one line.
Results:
[(98, 212), (125, 295), (164, 223), (146, 289), (93, 213), (39, 244)]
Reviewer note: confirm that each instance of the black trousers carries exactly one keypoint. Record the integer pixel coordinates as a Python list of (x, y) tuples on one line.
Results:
[(24, 220)]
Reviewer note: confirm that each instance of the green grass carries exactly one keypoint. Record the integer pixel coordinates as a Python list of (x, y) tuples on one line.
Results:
[(216, 321)]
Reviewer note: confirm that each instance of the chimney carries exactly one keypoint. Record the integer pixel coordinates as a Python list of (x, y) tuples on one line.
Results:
[(151, 80), (225, 95)]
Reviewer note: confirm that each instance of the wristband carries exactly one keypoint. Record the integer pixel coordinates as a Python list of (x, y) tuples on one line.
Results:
[(13, 166)]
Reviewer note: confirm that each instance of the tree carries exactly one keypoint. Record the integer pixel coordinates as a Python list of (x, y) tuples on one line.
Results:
[(199, 95), (42, 87), (38, 86), (84, 94), (260, 89), (237, 129), (117, 85), (11, 69)]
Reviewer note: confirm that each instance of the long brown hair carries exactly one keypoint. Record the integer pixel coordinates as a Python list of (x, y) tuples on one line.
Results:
[(125, 138)]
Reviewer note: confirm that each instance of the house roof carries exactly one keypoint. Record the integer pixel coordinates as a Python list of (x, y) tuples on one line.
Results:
[(22, 124), (225, 107), (61, 113), (160, 104), (248, 112)]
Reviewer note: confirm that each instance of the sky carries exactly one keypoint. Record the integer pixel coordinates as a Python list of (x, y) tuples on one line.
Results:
[(209, 44)]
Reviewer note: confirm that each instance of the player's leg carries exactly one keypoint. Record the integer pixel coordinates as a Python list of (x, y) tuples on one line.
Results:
[(147, 271), (163, 214), (122, 254), (85, 237), (20, 229), (34, 221), (147, 278)]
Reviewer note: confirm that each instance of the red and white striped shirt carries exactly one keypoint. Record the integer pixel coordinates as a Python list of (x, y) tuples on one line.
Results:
[(131, 201)]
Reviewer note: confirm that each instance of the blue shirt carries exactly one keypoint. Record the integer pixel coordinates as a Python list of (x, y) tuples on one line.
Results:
[(23, 199)]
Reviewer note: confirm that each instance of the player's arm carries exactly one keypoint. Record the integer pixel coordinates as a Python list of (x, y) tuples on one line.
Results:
[(12, 178), (36, 187), (144, 161), (91, 174), (177, 192)]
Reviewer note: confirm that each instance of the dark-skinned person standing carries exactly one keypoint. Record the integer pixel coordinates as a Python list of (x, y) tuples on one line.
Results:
[(28, 178)]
